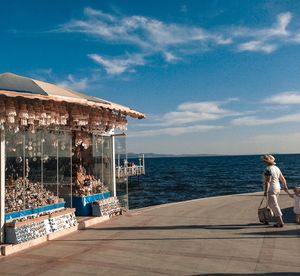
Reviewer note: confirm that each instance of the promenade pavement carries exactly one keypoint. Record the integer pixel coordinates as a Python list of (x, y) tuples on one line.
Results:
[(215, 236)]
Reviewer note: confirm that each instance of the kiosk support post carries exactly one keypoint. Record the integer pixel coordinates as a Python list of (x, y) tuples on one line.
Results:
[(2, 185), (114, 166)]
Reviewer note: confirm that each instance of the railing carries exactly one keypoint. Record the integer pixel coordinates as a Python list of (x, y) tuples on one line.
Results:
[(131, 169)]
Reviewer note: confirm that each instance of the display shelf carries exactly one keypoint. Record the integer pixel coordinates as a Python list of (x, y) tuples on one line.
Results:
[(83, 204), (17, 224), (107, 207), (64, 220), (23, 231), (34, 211)]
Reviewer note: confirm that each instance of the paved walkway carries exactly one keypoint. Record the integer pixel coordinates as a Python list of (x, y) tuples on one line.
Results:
[(217, 236)]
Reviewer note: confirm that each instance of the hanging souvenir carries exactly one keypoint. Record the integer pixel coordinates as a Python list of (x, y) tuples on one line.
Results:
[(43, 116), (23, 114), (10, 111)]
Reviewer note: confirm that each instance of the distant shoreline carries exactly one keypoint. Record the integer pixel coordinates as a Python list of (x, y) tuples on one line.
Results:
[(158, 155)]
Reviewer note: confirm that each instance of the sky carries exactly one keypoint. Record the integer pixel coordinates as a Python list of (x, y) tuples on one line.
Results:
[(212, 77)]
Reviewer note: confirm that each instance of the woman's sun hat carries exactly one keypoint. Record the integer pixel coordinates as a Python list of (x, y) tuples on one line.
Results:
[(269, 159)]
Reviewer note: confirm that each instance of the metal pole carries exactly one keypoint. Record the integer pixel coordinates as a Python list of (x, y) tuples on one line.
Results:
[(102, 161), (143, 163), (119, 167), (24, 167), (42, 159), (71, 169), (57, 167), (127, 187), (2, 183), (113, 166)]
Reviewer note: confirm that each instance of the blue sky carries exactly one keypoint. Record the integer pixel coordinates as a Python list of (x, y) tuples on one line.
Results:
[(218, 77)]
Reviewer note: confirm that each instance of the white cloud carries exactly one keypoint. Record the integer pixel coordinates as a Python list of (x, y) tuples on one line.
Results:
[(174, 131), (169, 57), (174, 41), (90, 12), (255, 121), (266, 40), (191, 113), (211, 107), (279, 142), (74, 84), (257, 46), (150, 35), (190, 117), (285, 98), (43, 74), (279, 29), (118, 66)]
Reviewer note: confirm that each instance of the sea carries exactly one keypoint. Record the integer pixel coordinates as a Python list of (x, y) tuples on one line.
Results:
[(174, 179)]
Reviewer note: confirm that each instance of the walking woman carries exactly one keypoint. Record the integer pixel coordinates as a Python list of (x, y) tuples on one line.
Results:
[(272, 177)]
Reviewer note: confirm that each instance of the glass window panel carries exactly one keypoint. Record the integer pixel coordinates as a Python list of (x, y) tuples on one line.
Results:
[(98, 141), (14, 171), (88, 164), (64, 164), (31, 169), (34, 196), (121, 170), (107, 162), (49, 143), (97, 156)]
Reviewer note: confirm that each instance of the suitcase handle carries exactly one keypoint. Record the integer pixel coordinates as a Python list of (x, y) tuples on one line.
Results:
[(262, 201)]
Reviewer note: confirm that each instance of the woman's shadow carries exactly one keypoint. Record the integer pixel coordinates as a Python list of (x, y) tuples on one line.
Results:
[(288, 215)]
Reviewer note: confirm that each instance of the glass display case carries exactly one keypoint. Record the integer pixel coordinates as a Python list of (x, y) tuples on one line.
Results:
[(31, 171), (56, 162), (107, 158), (91, 172), (47, 170), (50, 166), (121, 170)]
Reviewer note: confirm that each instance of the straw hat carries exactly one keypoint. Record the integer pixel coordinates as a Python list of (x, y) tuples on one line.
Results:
[(269, 159)]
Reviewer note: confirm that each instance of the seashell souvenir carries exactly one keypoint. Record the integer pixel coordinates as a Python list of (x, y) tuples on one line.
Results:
[(23, 114), (19, 159), (46, 158), (33, 194)]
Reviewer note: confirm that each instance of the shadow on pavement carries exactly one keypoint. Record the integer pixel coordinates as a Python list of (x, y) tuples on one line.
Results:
[(277, 233), (234, 274), (288, 215), (176, 227)]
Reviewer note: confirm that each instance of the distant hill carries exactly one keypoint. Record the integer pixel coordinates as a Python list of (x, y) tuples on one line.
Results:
[(157, 155)]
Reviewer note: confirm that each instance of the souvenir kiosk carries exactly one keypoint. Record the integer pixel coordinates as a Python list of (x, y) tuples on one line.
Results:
[(57, 156)]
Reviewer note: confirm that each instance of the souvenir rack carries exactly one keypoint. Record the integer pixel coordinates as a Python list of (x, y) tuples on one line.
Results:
[(23, 231)]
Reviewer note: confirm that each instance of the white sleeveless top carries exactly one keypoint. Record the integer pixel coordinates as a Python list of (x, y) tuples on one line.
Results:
[(275, 173)]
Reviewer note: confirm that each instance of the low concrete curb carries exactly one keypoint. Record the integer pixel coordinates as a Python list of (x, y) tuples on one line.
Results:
[(8, 249)]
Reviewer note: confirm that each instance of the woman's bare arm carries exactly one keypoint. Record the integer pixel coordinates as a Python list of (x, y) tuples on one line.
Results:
[(283, 182)]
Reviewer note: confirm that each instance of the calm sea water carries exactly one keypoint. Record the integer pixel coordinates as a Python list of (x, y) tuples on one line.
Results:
[(184, 178)]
